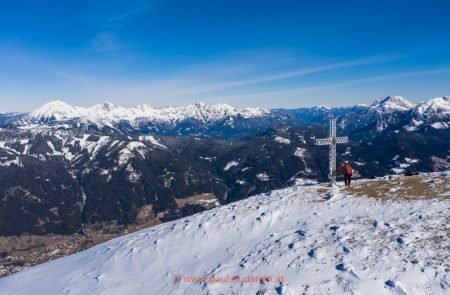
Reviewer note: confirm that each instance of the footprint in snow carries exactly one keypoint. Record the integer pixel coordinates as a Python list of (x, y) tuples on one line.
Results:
[(334, 229), (396, 288), (242, 263), (390, 283), (326, 197), (301, 233), (279, 289), (261, 216), (99, 277), (341, 267), (345, 268)]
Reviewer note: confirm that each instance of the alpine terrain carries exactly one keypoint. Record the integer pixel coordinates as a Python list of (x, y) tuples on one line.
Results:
[(72, 177)]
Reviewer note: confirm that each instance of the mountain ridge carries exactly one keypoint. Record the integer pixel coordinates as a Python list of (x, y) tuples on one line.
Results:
[(60, 110), (225, 121)]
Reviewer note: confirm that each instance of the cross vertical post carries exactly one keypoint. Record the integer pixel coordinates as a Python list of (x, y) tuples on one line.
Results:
[(332, 140)]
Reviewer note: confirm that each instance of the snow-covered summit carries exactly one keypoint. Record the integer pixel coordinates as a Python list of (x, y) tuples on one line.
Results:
[(392, 103), (437, 107), (57, 110), (435, 112), (291, 241), (321, 108), (385, 112), (60, 111)]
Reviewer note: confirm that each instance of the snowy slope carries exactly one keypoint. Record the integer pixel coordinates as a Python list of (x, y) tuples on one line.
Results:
[(343, 245)]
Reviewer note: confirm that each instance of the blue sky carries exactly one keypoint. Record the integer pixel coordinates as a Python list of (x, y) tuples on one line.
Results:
[(245, 53)]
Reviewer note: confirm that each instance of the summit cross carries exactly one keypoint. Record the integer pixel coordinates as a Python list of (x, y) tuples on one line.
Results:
[(332, 140)]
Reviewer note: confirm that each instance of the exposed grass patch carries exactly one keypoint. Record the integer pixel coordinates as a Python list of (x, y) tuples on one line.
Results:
[(323, 190), (410, 188), (202, 199)]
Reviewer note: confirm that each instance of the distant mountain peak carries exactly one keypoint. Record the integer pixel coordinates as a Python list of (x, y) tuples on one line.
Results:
[(436, 110), (56, 109), (322, 107), (200, 104), (55, 105), (393, 103), (109, 105), (441, 104)]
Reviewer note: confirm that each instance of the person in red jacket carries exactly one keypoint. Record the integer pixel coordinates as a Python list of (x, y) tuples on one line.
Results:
[(348, 172)]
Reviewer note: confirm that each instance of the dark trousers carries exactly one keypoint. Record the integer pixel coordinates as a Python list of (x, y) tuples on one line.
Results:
[(347, 179)]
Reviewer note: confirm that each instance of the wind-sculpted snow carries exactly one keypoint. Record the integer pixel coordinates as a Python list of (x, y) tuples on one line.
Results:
[(299, 240)]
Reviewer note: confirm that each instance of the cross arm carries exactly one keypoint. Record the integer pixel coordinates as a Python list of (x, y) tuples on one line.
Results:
[(342, 139), (324, 141)]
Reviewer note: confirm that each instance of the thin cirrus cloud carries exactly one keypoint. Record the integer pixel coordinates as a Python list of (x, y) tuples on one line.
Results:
[(107, 40), (302, 90), (211, 81), (191, 85), (104, 42), (201, 89)]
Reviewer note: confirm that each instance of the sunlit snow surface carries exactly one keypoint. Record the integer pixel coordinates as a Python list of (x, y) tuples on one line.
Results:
[(319, 245)]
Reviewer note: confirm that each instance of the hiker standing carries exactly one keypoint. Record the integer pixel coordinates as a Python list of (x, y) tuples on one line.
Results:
[(348, 172)]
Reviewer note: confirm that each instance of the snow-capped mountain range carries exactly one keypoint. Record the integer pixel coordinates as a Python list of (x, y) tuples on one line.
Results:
[(434, 112), (291, 241), (60, 111), (109, 112), (223, 120)]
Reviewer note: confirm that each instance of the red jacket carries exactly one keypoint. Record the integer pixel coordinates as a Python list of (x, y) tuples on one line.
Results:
[(347, 169)]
